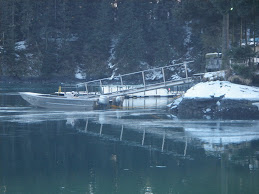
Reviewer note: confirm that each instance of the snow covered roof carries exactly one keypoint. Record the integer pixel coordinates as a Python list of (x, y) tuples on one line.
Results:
[(212, 55), (220, 88)]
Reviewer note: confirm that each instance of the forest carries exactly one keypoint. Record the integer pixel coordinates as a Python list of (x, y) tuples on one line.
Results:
[(47, 39)]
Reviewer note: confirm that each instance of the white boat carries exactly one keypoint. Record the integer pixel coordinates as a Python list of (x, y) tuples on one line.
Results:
[(72, 100), (68, 100)]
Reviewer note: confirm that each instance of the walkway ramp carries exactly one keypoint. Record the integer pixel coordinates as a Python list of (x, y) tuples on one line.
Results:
[(149, 87), (179, 72)]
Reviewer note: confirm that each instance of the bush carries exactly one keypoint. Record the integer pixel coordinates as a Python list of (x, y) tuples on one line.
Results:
[(239, 80), (243, 70), (242, 53)]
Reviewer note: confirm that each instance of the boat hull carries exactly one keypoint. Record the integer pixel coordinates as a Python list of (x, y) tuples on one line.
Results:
[(58, 102)]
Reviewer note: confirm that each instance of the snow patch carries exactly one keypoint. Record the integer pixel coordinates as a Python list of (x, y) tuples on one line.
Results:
[(210, 76), (20, 45), (79, 74), (223, 88), (154, 75), (29, 55), (188, 32), (112, 53), (174, 104), (175, 77)]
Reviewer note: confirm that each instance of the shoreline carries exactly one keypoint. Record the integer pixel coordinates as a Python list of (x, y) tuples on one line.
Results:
[(218, 109), (218, 100)]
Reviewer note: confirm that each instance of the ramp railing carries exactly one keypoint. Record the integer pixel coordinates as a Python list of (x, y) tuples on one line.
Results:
[(145, 80)]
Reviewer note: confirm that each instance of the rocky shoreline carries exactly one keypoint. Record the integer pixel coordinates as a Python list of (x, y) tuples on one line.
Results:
[(218, 100), (216, 109)]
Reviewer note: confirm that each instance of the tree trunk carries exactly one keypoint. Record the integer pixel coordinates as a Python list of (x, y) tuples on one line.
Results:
[(241, 31), (245, 33), (254, 26), (13, 26), (225, 41)]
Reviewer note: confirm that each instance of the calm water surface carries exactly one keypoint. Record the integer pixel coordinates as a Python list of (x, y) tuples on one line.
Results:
[(138, 149)]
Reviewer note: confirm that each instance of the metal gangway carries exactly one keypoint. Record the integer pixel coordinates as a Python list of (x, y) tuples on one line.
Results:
[(142, 81)]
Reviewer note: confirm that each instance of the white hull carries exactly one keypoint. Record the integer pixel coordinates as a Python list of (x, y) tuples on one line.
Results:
[(59, 102)]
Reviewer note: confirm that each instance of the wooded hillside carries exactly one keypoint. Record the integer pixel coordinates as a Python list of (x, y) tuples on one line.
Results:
[(57, 38)]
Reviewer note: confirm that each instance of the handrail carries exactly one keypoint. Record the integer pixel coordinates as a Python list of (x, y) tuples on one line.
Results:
[(119, 76), (147, 88)]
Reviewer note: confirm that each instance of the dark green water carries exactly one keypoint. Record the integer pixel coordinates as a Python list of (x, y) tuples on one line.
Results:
[(122, 151)]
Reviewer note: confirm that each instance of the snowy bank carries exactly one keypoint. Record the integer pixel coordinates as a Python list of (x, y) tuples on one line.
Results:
[(219, 99), (216, 75), (225, 89)]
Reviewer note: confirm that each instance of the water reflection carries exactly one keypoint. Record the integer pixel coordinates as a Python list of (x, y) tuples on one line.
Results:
[(125, 151), (150, 129)]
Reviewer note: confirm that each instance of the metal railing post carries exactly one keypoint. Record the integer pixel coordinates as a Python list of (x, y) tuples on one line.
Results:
[(143, 77), (101, 86), (101, 130), (121, 132), (86, 88), (143, 137), (163, 72), (86, 125), (121, 80), (186, 73), (163, 142)]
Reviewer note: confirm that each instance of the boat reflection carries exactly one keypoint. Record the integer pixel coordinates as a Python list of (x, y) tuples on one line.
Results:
[(216, 138)]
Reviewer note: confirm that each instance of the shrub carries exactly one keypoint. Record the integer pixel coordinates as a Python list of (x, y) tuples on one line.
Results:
[(239, 80), (243, 70)]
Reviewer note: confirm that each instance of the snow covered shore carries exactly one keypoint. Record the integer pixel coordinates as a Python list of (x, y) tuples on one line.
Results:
[(225, 89), (218, 99)]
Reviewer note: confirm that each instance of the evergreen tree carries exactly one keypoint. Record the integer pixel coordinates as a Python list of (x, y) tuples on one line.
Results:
[(62, 35), (130, 49), (98, 42)]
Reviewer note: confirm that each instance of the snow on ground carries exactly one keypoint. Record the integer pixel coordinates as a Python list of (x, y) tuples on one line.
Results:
[(175, 77), (223, 88), (79, 74), (210, 76), (20, 45), (175, 103), (153, 75), (112, 53)]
